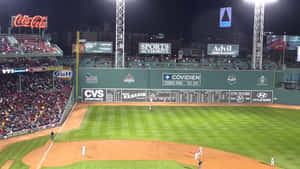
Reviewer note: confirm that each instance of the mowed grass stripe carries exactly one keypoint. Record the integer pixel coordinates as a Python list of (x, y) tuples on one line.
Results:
[(125, 165), (132, 122), (256, 132), (147, 121)]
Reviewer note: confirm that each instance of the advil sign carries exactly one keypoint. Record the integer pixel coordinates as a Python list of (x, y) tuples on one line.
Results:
[(39, 22)]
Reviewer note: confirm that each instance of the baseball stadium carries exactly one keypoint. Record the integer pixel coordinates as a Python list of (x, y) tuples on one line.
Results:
[(117, 99)]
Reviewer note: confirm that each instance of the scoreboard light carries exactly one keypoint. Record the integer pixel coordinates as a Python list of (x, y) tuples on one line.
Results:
[(8, 71), (11, 71), (260, 1)]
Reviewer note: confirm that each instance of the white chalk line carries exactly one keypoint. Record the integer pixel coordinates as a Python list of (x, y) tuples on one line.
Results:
[(52, 142)]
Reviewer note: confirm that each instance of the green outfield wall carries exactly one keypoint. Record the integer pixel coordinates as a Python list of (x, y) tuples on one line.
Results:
[(199, 82), (291, 97), (180, 79)]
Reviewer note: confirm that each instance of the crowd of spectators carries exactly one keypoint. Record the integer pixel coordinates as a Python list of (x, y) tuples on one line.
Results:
[(34, 44), (27, 62), (25, 44), (216, 63), (31, 100), (169, 62), (6, 47)]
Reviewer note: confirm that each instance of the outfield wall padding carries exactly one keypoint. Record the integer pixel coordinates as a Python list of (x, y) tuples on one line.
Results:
[(149, 79), (154, 79)]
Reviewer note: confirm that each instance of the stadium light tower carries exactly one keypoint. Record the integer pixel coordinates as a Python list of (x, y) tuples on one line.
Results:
[(120, 34), (258, 32)]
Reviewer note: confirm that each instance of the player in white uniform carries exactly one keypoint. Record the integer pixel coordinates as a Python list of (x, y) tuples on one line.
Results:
[(196, 155), (83, 150), (200, 151), (150, 104), (272, 162)]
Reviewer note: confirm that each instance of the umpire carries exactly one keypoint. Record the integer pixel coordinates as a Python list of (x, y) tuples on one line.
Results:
[(52, 135), (200, 164)]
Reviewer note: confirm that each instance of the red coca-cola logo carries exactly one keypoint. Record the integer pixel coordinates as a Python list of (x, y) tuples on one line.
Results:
[(32, 22)]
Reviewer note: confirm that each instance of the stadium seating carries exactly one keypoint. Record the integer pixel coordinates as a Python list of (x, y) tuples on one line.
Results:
[(27, 44), (197, 63), (8, 45), (31, 100), (27, 62), (34, 44)]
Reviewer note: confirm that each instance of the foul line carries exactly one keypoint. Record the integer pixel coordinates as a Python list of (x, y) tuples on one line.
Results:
[(52, 142)]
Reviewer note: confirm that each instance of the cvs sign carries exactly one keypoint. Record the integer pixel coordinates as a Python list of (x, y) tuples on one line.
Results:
[(93, 95)]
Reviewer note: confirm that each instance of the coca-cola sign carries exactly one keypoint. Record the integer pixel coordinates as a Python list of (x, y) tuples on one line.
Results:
[(35, 22)]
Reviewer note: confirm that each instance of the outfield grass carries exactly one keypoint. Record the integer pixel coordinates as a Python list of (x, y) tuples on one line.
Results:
[(125, 165), (256, 132)]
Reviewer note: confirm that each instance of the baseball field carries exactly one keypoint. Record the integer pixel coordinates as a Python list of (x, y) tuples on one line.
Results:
[(127, 137)]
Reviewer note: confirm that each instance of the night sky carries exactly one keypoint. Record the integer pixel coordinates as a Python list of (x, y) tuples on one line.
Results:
[(176, 18)]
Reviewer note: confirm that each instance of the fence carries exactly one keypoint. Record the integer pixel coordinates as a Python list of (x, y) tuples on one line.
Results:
[(176, 96)]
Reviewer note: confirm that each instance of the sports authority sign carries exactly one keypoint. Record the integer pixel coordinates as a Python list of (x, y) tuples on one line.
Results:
[(181, 79), (155, 48), (25, 21), (93, 95)]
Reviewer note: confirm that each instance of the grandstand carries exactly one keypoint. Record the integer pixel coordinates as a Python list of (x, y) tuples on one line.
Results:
[(31, 97), (27, 45)]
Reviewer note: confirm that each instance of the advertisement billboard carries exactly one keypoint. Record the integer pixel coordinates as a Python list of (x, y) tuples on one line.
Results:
[(65, 74), (240, 97), (155, 48), (177, 96), (81, 48), (225, 17), (181, 79), (93, 95), (281, 42), (98, 47), (26, 21), (223, 49), (134, 95), (262, 96)]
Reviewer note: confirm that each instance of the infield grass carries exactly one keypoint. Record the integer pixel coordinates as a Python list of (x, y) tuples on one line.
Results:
[(17, 151), (125, 165)]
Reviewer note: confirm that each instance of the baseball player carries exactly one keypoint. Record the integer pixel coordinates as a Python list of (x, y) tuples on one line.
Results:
[(200, 164), (150, 105), (272, 162), (196, 155), (200, 151), (52, 135), (83, 150)]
